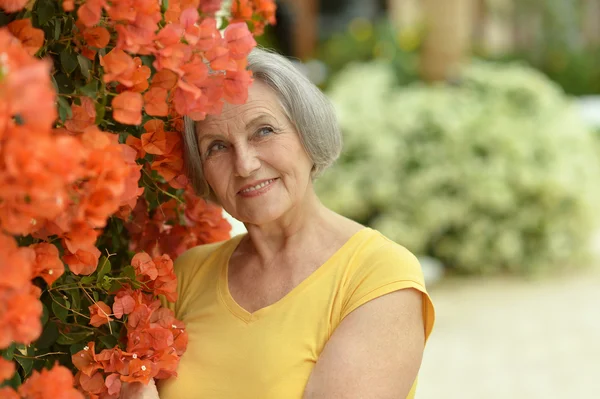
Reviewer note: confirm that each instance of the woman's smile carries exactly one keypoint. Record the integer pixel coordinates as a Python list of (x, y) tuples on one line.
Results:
[(257, 188)]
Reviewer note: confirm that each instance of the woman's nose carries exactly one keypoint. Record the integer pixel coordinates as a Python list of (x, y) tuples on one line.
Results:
[(246, 161)]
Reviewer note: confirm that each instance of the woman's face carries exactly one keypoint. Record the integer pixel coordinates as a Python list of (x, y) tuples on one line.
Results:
[(253, 159)]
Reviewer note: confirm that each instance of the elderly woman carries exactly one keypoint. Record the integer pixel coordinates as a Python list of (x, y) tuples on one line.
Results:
[(308, 304)]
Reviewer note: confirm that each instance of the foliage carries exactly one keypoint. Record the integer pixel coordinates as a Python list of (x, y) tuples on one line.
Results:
[(364, 40), (94, 203), (493, 173)]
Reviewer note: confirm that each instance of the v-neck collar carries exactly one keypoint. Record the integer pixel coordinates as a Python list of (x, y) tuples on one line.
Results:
[(248, 317)]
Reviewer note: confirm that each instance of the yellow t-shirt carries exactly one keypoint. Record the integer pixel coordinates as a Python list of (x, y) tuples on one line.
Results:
[(269, 354)]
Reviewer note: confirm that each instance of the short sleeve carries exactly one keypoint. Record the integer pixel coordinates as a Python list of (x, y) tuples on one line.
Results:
[(186, 268), (382, 270)]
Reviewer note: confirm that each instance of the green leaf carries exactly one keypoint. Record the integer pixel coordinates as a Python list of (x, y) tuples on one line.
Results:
[(73, 338), (48, 337), (64, 84), (45, 10), (64, 109), (87, 280), (57, 29), (14, 382), (104, 268), (90, 89), (100, 112), (109, 341), (128, 271), (96, 296), (26, 363), (77, 347), (9, 352), (45, 314), (75, 299), (85, 64), (68, 60), (60, 308)]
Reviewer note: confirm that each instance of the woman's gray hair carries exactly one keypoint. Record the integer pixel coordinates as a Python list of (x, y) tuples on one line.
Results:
[(304, 104)]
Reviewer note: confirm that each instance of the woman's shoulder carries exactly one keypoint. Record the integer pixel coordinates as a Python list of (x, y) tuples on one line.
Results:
[(195, 257)]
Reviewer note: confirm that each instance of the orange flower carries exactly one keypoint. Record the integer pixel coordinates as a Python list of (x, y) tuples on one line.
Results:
[(96, 37), (6, 392), (15, 263), (155, 102), (7, 369), (12, 5), (50, 384), (235, 86), (219, 58), (127, 108), (140, 76), (113, 384), (83, 262), (47, 262), (85, 360), (144, 266), (159, 142), (80, 236), (93, 384), (84, 115), (99, 313), (32, 38), (124, 304), (239, 40), (119, 67), (114, 360), (136, 144), (20, 314), (165, 79), (68, 5), (89, 13), (139, 371)]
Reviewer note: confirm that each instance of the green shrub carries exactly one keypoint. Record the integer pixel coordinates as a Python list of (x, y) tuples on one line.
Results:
[(493, 173)]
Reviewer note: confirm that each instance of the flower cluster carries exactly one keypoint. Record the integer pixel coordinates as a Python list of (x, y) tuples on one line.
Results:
[(94, 202)]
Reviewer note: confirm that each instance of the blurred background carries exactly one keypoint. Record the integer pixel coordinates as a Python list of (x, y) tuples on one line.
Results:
[(472, 135)]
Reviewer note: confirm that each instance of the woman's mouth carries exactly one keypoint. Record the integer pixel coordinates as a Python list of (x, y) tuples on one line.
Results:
[(257, 188)]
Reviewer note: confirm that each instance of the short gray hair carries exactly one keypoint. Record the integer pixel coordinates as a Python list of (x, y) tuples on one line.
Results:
[(304, 104)]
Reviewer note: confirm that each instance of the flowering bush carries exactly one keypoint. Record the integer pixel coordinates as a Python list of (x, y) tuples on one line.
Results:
[(492, 173), (94, 203)]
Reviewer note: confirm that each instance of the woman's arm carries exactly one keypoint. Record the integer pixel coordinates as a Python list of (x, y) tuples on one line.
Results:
[(375, 353)]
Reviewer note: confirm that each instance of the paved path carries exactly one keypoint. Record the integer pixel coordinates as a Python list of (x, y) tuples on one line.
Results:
[(514, 339)]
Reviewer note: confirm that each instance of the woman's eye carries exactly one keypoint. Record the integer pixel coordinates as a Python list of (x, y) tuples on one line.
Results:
[(215, 147), (264, 131)]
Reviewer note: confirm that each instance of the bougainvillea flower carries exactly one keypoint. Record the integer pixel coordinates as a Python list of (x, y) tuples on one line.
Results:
[(168, 167), (127, 108), (165, 79), (89, 13), (166, 361), (83, 261), (15, 263), (12, 5), (136, 144), (93, 384), (97, 36), (100, 314), (114, 360), (20, 314), (155, 102), (144, 266), (235, 86), (219, 58), (7, 369), (119, 67), (139, 371), (47, 263), (85, 360), (239, 40), (159, 142), (140, 76), (124, 304), (83, 116), (80, 236), (7, 392), (68, 5), (113, 384), (32, 38), (208, 34)]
